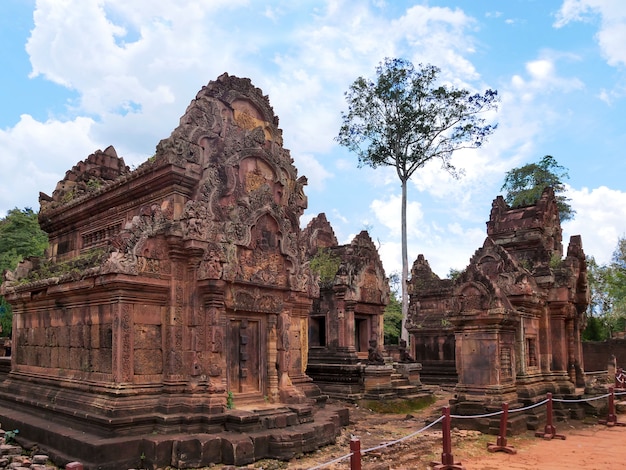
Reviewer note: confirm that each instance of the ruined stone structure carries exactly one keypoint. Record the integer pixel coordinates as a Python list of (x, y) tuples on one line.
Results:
[(346, 337), (508, 328), (171, 294)]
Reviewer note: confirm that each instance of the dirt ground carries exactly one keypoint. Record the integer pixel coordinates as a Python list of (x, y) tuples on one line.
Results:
[(588, 445)]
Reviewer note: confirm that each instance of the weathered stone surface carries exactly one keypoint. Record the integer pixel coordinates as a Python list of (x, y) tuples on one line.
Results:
[(346, 332), (169, 289), (508, 327)]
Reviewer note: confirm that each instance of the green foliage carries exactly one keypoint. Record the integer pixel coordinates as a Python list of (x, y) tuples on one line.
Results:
[(523, 186), (325, 265), (454, 274), (392, 320), (607, 309), (230, 400), (404, 119), (9, 436), (595, 330), (20, 237), (6, 317)]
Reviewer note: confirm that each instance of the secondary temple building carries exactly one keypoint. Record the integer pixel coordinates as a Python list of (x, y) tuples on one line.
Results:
[(172, 306), (508, 328), (347, 358)]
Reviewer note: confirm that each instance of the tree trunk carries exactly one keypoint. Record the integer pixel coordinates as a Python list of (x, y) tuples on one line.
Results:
[(404, 334)]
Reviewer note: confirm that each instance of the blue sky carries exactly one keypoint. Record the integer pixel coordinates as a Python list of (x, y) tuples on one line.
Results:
[(81, 75)]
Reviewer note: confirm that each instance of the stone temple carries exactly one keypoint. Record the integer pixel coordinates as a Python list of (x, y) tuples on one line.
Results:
[(347, 356), (169, 318), (508, 329)]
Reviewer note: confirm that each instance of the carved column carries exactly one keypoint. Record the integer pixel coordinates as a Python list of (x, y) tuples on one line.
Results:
[(214, 363), (272, 358), (545, 340), (349, 325), (173, 373), (122, 343)]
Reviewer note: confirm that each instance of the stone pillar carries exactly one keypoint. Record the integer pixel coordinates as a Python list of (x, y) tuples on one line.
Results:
[(558, 341), (349, 338), (122, 348), (272, 358), (545, 341)]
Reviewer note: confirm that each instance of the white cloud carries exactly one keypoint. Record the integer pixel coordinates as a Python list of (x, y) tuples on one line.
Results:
[(315, 173), (36, 156), (387, 212), (611, 36), (600, 219)]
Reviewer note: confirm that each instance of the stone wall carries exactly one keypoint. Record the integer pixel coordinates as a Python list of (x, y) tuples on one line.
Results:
[(598, 353)]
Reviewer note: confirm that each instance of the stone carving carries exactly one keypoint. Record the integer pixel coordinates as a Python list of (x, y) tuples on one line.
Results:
[(200, 243), (374, 355), (511, 314), (346, 323)]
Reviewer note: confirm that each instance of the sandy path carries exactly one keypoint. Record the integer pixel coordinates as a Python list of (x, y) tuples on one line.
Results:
[(588, 447)]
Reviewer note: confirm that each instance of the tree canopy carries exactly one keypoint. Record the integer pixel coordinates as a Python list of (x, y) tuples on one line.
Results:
[(607, 308), (404, 119), (524, 185), (20, 237)]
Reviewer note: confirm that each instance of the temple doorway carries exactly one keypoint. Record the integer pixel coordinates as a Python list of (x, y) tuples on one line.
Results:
[(246, 355)]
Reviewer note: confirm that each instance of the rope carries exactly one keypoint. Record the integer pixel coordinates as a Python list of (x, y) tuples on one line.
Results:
[(487, 415), (339, 459), (387, 444), (564, 400), (535, 405)]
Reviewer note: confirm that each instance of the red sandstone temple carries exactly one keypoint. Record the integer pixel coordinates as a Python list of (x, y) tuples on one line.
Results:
[(172, 307), (508, 329), (347, 358)]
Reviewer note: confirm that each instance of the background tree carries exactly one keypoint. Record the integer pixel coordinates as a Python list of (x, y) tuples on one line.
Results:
[(20, 237), (523, 186), (607, 309), (392, 320), (404, 119)]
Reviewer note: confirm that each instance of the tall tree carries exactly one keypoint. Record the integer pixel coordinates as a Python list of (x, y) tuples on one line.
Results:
[(20, 237), (524, 185), (404, 119)]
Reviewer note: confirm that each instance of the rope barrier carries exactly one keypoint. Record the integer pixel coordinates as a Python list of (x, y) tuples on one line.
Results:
[(529, 407), (501, 444), (564, 400), (447, 458), (388, 444), (337, 460)]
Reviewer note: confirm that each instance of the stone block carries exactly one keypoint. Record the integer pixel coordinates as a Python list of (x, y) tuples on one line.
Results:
[(106, 336), (237, 450), (148, 361), (187, 453), (77, 337), (63, 335), (261, 444)]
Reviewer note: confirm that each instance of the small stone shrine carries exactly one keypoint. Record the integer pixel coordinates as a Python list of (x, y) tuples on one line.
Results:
[(347, 358), (508, 329), (168, 323)]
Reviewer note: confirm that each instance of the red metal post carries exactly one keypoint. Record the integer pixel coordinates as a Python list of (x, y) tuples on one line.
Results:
[(355, 458), (549, 431), (500, 444), (611, 419), (74, 466), (447, 459)]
